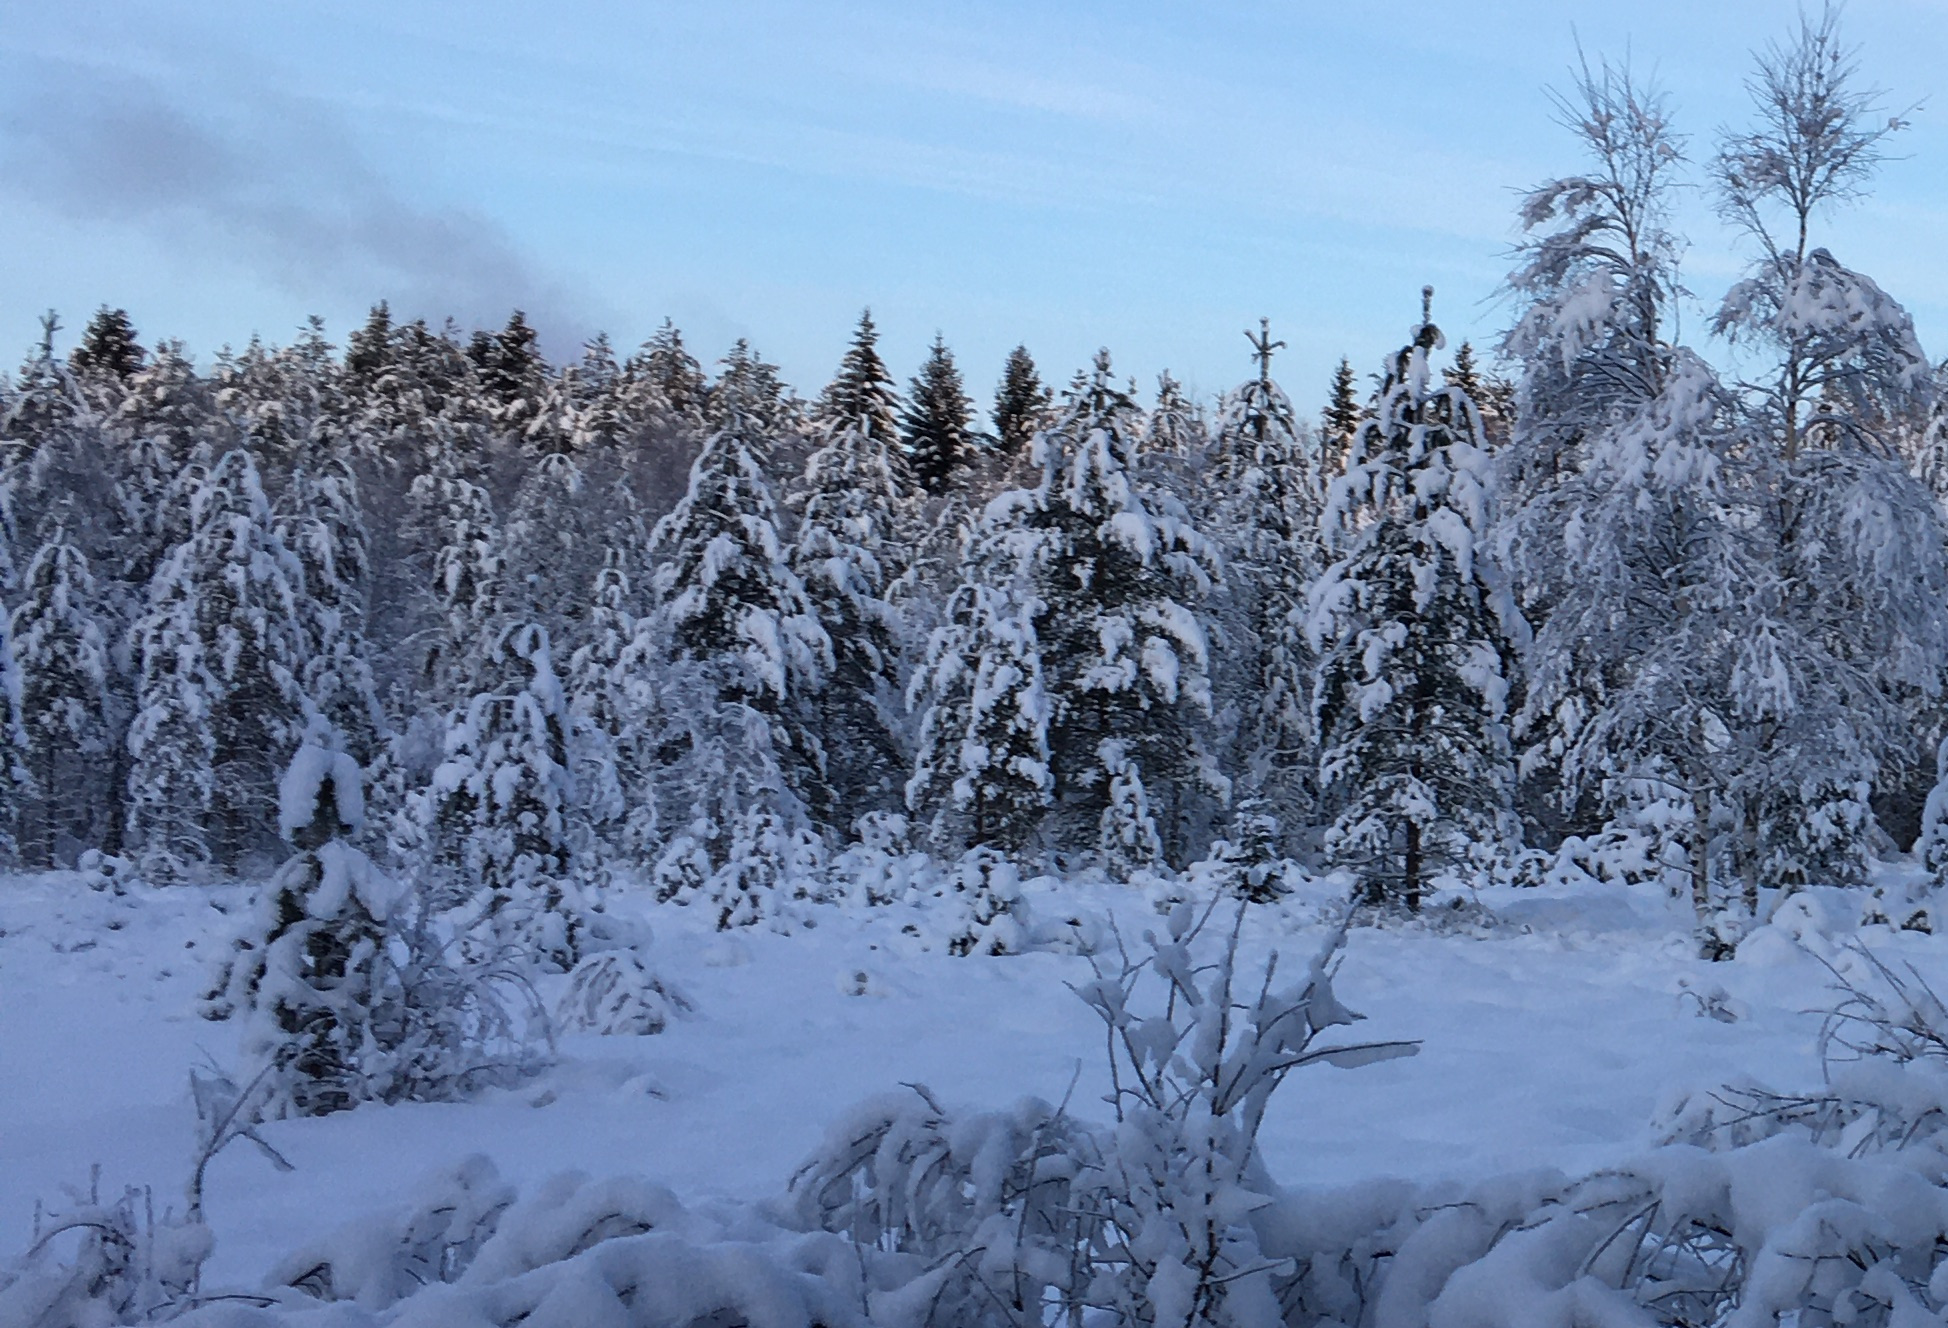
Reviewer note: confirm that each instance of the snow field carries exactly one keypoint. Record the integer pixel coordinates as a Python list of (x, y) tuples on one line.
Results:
[(1549, 1041)]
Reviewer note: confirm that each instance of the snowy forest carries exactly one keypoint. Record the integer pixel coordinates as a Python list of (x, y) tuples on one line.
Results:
[(455, 671)]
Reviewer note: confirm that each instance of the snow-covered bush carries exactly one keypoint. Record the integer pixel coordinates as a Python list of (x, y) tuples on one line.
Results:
[(995, 920), (99, 1261), (351, 990), (615, 992)]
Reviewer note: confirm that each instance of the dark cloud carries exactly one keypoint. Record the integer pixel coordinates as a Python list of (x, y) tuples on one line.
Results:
[(267, 181)]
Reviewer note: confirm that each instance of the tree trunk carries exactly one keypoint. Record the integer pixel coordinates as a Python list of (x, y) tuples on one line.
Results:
[(1410, 883), (1701, 860)]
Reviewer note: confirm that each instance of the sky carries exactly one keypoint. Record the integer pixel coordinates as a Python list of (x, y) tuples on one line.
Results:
[(1152, 177)]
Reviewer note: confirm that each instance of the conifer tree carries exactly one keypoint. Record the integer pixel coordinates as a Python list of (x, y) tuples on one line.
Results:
[(613, 758), (314, 972), (846, 557), (16, 782), (1340, 421), (503, 797), (981, 776), (733, 627), (749, 390), (935, 438), (1120, 575), (43, 405), (461, 542), (64, 664), (163, 428), (1021, 404), (513, 376), (674, 379), (1411, 683), (108, 356), (1268, 509), (1493, 396), (1175, 432), (322, 524), (219, 702)]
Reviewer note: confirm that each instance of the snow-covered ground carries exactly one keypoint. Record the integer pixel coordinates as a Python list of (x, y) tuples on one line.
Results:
[(1548, 1039)]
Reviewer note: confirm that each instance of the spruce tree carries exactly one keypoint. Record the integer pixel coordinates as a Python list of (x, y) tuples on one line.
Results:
[(935, 437), (322, 523), (981, 776), (501, 800), (1120, 575), (512, 374), (64, 664), (1021, 404), (1411, 683), (219, 700), (165, 434), (1175, 434), (109, 354), (314, 972), (16, 782), (1268, 509), (733, 630), (846, 557), (674, 381), (1340, 420)]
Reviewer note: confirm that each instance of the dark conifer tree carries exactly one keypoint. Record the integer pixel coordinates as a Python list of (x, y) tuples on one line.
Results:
[(109, 352), (513, 376), (1021, 403), (935, 427), (1341, 419)]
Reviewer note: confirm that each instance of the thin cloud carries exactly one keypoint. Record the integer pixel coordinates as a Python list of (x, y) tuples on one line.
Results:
[(266, 181)]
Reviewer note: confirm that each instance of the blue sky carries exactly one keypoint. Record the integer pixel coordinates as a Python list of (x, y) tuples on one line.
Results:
[(1152, 177)]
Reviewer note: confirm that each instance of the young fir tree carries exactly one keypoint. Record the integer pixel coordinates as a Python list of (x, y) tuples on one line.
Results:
[(1340, 420), (219, 700), (1021, 404), (459, 540), (501, 800), (63, 703), (314, 972), (611, 753), (935, 437), (1120, 575), (1268, 511), (164, 432), (981, 775), (16, 783), (44, 405), (1493, 396), (1411, 687), (670, 382), (1175, 433), (846, 557), (748, 394), (733, 630), (322, 523)]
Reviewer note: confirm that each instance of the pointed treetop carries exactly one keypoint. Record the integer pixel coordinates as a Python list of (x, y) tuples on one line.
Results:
[(108, 347), (1262, 347)]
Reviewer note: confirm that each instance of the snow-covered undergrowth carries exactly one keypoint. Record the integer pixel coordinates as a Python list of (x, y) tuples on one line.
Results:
[(850, 1123)]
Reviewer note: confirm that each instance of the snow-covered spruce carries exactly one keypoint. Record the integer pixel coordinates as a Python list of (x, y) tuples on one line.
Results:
[(311, 975), (1412, 627)]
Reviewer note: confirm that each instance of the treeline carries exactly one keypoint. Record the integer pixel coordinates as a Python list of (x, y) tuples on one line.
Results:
[(1621, 612)]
